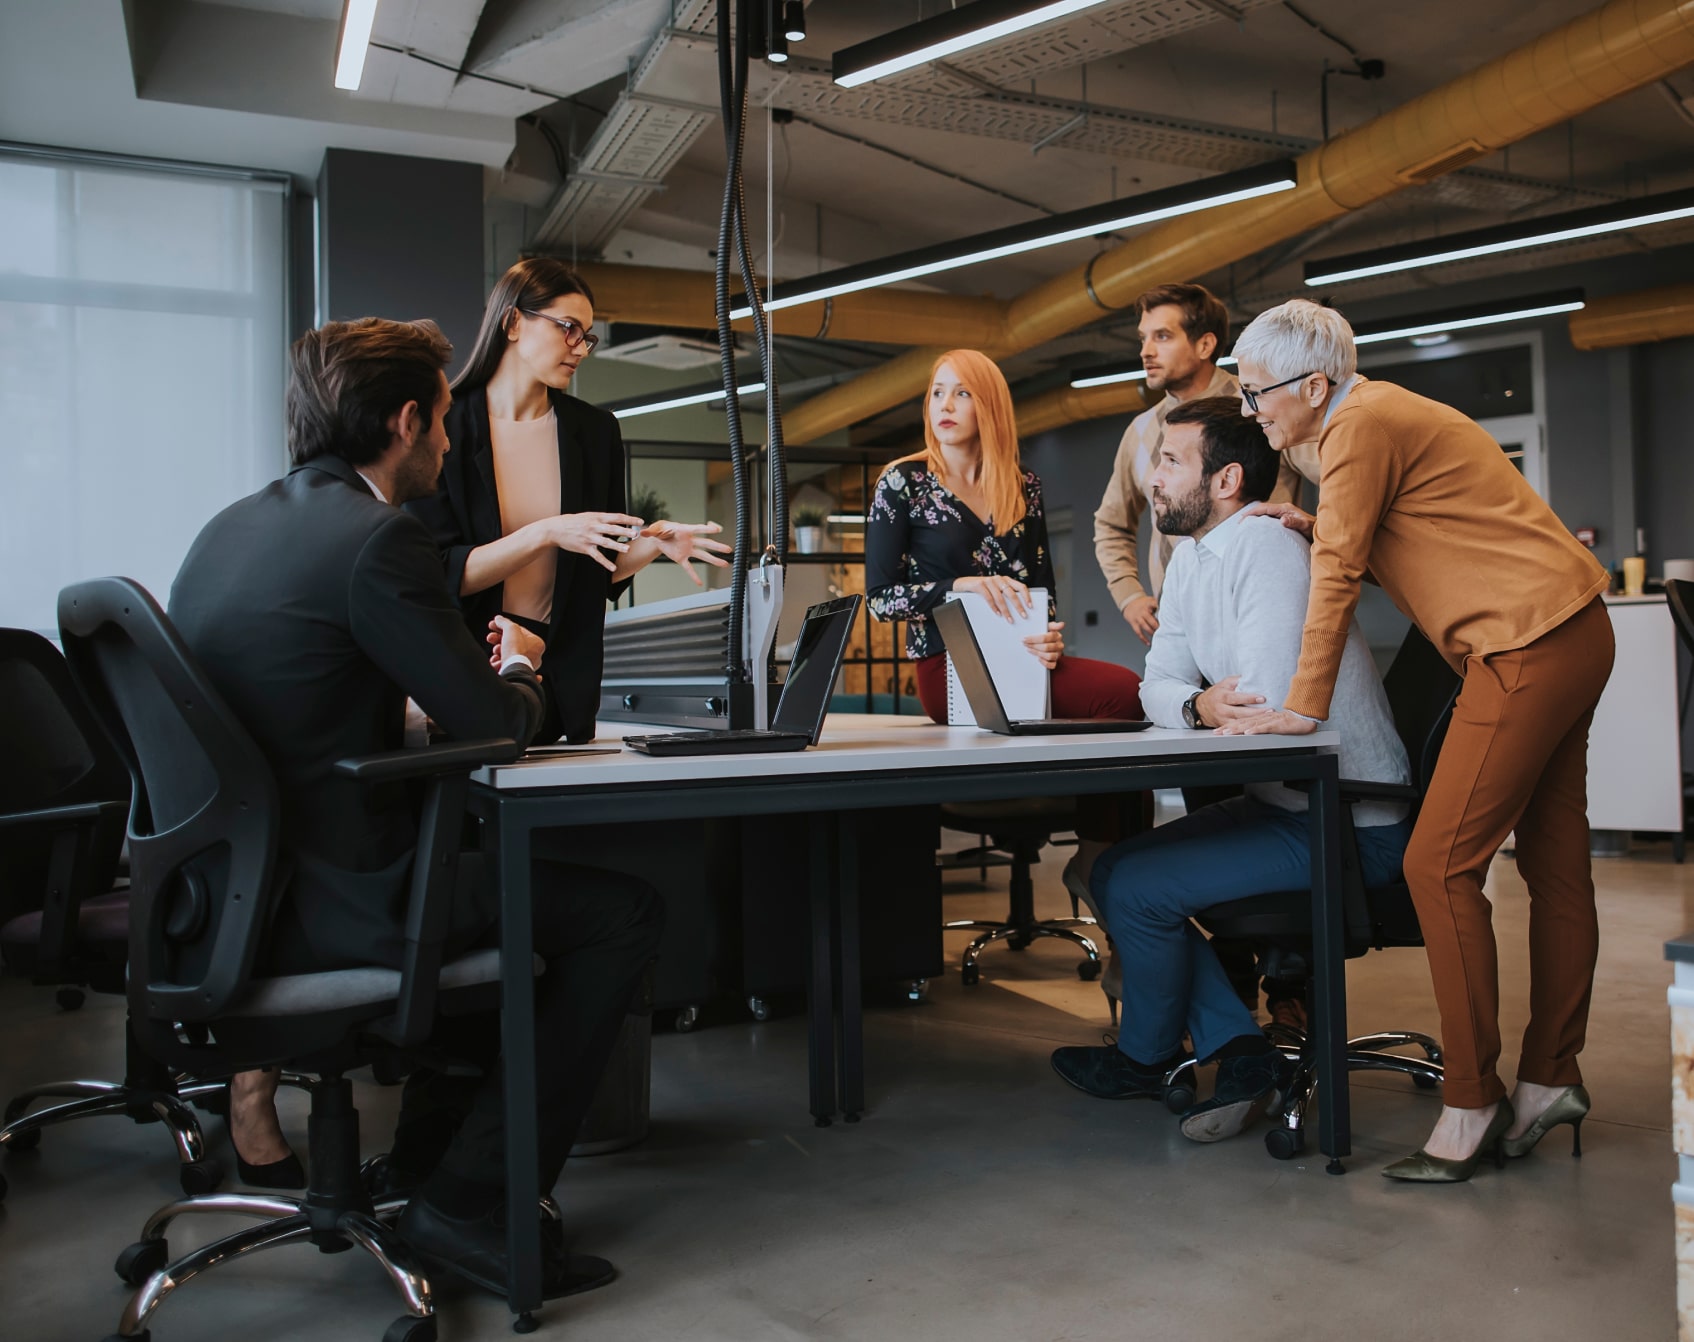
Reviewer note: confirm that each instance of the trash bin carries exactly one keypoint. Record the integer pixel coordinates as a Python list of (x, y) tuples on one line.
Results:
[(618, 1116)]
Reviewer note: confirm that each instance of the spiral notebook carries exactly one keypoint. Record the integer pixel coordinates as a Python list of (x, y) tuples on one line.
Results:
[(1018, 674)]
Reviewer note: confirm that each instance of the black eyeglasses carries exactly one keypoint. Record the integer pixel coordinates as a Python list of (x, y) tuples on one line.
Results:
[(572, 330), (1252, 397)]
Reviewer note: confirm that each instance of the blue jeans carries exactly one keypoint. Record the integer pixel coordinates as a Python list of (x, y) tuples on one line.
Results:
[(1148, 888)]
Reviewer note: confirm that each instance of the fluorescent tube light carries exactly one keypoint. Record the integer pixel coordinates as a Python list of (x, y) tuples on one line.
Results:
[(677, 402), (846, 519), (1613, 218), (1128, 212), (357, 18), (947, 34), (1086, 379), (1464, 319)]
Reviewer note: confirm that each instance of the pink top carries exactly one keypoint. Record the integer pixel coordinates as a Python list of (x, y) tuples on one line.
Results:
[(526, 478)]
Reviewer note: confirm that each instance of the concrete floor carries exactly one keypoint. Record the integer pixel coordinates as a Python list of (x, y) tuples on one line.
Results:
[(981, 1198)]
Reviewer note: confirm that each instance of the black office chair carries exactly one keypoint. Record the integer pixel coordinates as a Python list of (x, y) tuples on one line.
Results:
[(64, 794), (1422, 690), (1022, 829), (203, 834)]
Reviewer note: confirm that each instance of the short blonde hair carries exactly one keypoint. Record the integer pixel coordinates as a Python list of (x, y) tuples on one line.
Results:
[(1297, 338)]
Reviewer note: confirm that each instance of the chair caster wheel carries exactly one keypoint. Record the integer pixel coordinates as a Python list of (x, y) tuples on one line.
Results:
[(917, 990), (69, 999), (970, 976), (760, 1008), (141, 1260), (410, 1328), (686, 1019), (525, 1323), (1423, 1082), (1179, 1099), (200, 1176), (26, 1140), (1285, 1143), (1088, 970)]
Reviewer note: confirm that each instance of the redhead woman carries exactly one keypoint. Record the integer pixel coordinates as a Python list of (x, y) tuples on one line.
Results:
[(530, 511), (964, 516)]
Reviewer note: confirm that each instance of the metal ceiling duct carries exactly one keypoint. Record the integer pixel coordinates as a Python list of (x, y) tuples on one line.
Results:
[(1613, 50), (1635, 318)]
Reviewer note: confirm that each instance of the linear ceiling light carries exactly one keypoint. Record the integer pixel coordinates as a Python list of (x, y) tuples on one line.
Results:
[(1086, 223), (1090, 378), (357, 18), (947, 34), (1613, 218), (1464, 319), (677, 402)]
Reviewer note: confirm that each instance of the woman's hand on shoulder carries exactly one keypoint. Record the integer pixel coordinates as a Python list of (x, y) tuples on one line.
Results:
[(591, 533), (1290, 516)]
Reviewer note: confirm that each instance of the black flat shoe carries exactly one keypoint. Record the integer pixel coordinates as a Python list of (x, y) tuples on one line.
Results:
[(1106, 1073), (474, 1250)]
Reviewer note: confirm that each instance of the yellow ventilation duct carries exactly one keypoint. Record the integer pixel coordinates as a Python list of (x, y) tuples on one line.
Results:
[(664, 297), (1617, 48), (1068, 405), (1634, 319)]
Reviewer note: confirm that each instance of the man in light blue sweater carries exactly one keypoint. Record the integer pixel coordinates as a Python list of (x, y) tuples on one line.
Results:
[(1230, 619)]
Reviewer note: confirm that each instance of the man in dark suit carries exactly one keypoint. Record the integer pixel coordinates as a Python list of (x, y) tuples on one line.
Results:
[(317, 606)]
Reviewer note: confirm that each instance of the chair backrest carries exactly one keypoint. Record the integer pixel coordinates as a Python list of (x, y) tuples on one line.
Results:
[(1422, 689), (204, 818), (1680, 593)]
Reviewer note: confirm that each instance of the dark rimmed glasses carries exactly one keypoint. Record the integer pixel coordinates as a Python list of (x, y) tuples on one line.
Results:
[(573, 331), (1252, 397)]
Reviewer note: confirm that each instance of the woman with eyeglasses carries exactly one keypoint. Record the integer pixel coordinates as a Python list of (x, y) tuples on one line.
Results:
[(530, 513)]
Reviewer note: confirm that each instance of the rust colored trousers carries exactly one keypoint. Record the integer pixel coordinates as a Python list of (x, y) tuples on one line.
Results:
[(1515, 758)]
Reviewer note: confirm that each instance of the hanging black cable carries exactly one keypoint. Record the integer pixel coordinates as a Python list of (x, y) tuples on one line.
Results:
[(734, 668)]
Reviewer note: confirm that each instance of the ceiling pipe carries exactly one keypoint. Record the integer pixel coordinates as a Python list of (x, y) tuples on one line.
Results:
[(1634, 319), (1070, 405), (659, 296), (1620, 47)]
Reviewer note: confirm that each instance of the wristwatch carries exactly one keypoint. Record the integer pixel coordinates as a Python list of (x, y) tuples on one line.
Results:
[(1191, 709)]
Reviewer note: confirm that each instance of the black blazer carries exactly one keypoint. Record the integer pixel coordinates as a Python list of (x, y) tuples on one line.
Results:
[(464, 513), (316, 609)]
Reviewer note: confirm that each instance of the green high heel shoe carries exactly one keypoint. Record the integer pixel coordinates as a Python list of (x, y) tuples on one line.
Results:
[(1422, 1168), (1571, 1107)]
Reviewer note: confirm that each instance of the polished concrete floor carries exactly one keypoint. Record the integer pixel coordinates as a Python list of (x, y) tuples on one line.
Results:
[(981, 1198)]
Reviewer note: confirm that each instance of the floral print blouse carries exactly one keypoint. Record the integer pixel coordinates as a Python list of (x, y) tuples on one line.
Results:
[(920, 538)]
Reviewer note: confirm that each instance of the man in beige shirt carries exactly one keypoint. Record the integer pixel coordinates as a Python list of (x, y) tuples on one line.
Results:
[(1183, 327)]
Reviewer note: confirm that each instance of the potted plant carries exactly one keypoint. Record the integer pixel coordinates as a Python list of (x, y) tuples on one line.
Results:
[(646, 504), (808, 529)]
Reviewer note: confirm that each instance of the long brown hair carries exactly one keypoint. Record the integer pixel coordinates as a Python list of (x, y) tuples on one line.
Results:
[(996, 425), (531, 284)]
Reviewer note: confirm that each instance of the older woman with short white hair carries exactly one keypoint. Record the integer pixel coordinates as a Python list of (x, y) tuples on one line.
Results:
[(1421, 498)]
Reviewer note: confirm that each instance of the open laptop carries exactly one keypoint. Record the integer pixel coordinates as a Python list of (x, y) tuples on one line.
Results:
[(799, 716), (960, 639)]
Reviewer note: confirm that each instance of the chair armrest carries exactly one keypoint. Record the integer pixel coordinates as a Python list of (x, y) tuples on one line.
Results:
[(454, 757), (1358, 789), (85, 812)]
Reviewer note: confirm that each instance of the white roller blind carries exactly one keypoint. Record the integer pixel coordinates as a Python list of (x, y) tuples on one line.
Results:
[(142, 346)]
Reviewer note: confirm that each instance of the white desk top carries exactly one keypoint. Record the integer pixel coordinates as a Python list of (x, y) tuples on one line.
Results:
[(861, 743)]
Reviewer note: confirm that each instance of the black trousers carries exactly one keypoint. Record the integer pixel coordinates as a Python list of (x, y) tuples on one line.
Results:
[(596, 931)]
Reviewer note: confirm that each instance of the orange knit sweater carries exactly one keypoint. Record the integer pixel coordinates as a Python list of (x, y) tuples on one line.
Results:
[(1424, 499)]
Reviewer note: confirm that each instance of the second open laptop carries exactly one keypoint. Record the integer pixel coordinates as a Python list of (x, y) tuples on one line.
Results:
[(798, 720), (956, 632)]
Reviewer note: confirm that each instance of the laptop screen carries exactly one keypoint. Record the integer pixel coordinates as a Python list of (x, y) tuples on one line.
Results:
[(817, 662)]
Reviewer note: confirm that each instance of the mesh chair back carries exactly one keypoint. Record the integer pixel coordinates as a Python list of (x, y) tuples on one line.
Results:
[(204, 818), (56, 755), (1680, 593)]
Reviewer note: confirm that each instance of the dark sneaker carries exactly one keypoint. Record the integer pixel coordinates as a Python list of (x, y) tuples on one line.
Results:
[(1108, 1074), (1244, 1090)]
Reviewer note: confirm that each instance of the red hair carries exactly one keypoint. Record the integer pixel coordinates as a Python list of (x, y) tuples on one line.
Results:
[(996, 424)]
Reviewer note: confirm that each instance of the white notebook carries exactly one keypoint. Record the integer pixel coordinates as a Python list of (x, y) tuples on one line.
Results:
[(1018, 674)]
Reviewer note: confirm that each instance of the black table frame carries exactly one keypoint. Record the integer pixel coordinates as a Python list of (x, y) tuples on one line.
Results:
[(835, 1018)]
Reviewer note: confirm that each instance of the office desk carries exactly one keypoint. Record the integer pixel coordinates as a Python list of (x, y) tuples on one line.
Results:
[(864, 762)]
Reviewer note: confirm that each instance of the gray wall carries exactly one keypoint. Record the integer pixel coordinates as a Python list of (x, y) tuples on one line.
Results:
[(402, 238)]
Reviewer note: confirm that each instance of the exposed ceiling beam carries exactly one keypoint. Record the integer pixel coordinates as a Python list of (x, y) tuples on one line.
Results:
[(1622, 46)]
